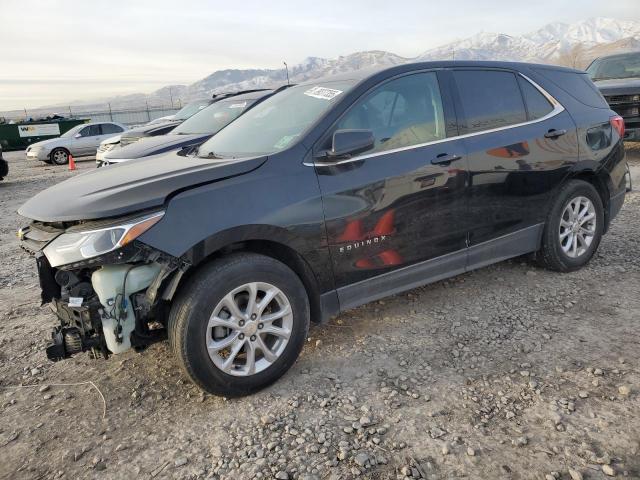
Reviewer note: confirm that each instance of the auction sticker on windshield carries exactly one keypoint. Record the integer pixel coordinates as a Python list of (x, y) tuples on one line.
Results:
[(323, 93), (238, 105)]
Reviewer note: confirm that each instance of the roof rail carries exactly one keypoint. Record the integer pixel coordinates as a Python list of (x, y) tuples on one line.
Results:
[(283, 87)]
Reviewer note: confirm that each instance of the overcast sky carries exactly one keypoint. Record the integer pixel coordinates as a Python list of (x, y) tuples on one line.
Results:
[(56, 51)]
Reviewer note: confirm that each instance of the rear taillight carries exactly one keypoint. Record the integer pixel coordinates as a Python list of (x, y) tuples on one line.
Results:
[(617, 122)]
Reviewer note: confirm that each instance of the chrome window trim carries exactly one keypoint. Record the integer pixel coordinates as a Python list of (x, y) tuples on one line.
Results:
[(557, 109)]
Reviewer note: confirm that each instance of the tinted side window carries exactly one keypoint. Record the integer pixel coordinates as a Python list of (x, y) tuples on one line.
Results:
[(110, 128), (401, 113), (537, 105), (93, 130), (578, 85), (490, 99)]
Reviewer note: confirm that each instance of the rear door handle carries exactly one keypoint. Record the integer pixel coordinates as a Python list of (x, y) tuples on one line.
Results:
[(445, 159), (553, 133)]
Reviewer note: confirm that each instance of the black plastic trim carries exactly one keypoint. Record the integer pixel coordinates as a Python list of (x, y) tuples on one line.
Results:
[(508, 246)]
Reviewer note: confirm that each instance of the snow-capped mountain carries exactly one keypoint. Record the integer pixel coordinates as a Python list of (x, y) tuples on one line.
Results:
[(588, 32), (311, 67), (572, 44), (544, 45), (549, 44)]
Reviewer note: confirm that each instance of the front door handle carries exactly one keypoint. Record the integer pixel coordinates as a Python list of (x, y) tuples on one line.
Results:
[(553, 133), (445, 159)]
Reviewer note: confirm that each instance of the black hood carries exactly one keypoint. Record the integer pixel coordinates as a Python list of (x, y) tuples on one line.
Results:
[(619, 86), (156, 145), (135, 134), (129, 187)]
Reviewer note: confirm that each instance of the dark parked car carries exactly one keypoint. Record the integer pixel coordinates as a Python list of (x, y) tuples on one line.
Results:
[(326, 196), (618, 78), (193, 131), (160, 126), (4, 166)]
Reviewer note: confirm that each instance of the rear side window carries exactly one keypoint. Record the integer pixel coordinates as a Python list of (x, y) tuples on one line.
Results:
[(110, 128), (578, 85), (537, 104), (490, 99), (401, 113), (94, 131)]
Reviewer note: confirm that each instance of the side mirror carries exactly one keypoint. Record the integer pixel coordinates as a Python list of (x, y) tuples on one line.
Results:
[(77, 135), (351, 142)]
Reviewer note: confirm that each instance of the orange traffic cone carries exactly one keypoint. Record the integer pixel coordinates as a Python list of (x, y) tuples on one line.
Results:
[(72, 163)]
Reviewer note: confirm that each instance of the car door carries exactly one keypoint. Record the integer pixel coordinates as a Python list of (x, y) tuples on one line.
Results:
[(401, 203), (86, 144), (520, 143), (100, 133)]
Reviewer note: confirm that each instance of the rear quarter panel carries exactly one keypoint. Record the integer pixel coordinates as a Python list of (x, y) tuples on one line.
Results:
[(607, 163)]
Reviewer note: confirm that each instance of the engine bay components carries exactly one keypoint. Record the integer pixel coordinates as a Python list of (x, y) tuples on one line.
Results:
[(114, 284)]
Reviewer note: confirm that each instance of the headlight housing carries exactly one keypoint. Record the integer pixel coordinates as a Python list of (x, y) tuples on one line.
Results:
[(71, 247)]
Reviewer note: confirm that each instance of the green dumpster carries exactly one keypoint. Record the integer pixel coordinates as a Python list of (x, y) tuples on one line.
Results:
[(18, 136)]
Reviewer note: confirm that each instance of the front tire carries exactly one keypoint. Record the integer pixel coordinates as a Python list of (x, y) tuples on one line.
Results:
[(239, 324), (60, 156), (573, 229)]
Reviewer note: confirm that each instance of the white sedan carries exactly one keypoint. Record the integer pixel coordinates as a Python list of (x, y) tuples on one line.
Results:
[(80, 141)]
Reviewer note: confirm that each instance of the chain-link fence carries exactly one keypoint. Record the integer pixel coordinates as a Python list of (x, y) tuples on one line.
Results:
[(128, 117), (96, 113)]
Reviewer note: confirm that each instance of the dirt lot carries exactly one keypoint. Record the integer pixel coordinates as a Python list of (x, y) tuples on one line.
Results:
[(510, 372)]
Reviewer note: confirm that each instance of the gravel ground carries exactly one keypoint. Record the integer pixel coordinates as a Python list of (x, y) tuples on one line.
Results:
[(509, 372)]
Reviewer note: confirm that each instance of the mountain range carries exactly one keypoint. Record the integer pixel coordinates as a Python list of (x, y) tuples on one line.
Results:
[(574, 44)]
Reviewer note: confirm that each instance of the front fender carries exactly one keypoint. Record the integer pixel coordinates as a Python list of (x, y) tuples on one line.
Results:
[(278, 202)]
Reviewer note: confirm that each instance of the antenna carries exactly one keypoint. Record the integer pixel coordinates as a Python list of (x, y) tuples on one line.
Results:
[(286, 67)]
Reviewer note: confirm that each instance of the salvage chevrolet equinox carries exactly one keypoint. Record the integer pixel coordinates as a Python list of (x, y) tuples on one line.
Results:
[(325, 196)]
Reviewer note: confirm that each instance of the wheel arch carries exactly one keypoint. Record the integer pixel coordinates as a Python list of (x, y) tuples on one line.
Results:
[(273, 242), (58, 148), (600, 181)]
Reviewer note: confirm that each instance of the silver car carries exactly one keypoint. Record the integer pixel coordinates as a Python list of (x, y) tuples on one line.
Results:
[(80, 141)]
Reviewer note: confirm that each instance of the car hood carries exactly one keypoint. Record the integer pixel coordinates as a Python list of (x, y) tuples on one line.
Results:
[(619, 86), (129, 187), (52, 142), (143, 129), (114, 139), (155, 145)]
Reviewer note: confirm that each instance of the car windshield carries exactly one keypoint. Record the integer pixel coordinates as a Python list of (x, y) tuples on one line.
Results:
[(73, 131), (275, 124), (213, 118), (624, 66), (191, 109)]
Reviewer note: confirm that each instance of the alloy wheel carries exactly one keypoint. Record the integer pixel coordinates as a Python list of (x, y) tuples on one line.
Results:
[(577, 226), (60, 157), (249, 329)]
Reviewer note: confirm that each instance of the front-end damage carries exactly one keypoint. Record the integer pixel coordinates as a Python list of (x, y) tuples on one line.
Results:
[(108, 303)]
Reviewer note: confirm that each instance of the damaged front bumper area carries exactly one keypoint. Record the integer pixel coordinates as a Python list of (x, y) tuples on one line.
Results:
[(107, 304)]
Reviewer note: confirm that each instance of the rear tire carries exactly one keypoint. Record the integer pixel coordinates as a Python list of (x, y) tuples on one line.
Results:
[(228, 344), (59, 156), (573, 229)]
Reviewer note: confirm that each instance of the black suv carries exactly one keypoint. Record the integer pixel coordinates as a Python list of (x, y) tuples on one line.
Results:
[(618, 78), (326, 196)]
